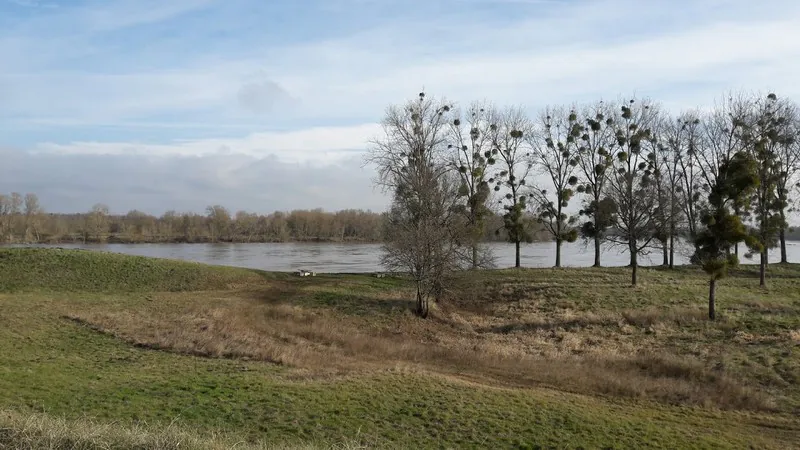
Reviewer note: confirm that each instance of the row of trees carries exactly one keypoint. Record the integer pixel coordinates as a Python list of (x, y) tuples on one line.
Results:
[(23, 220), (643, 178)]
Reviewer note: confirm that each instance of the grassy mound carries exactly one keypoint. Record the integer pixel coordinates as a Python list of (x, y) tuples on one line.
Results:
[(62, 270)]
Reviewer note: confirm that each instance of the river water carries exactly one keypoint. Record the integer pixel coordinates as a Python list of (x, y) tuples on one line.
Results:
[(359, 258)]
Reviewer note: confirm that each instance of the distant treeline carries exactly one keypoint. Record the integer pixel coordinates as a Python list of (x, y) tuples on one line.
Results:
[(22, 220)]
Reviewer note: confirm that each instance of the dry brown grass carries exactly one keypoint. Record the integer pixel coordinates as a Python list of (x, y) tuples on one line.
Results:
[(40, 431), (572, 350)]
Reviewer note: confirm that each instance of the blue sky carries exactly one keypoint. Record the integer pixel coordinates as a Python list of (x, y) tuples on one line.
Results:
[(265, 105)]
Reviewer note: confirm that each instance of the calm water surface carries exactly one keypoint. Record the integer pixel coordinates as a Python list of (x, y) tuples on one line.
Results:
[(332, 257)]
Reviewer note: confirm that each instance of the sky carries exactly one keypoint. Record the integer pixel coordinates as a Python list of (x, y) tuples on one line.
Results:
[(265, 105)]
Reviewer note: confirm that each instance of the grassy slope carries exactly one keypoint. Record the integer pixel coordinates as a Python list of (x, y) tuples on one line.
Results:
[(53, 365), (81, 271)]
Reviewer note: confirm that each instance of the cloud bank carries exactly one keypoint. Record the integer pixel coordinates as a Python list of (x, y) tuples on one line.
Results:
[(264, 105)]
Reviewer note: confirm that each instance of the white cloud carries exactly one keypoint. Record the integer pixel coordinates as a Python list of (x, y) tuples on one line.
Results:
[(722, 56), (320, 145), (105, 16), (572, 52)]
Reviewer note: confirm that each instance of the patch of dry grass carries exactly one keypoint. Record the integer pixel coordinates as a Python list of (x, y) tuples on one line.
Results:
[(40, 431), (562, 350)]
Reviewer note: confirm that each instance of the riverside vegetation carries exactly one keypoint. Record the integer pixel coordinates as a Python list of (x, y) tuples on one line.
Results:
[(24, 220), (155, 353), (112, 351)]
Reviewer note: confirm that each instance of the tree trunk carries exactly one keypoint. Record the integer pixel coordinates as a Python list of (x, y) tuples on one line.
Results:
[(597, 251), (634, 263), (558, 252), (672, 249), (422, 306), (438, 291), (474, 256), (736, 245), (712, 295), (516, 263), (763, 268), (784, 257), (665, 253)]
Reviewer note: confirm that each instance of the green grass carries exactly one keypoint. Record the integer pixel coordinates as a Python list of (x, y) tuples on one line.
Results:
[(63, 270), (70, 371), (53, 366)]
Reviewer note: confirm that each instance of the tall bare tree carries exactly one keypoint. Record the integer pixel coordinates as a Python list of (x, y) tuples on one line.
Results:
[(423, 227), (683, 137), (631, 187), (554, 151), (472, 153), (667, 174), (788, 168), (515, 167), (595, 161), (723, 130)]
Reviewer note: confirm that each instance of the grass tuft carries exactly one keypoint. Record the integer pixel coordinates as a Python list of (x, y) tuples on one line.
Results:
[(40, 431)]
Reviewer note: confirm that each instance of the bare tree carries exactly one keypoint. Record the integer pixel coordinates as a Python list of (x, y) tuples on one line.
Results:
[(246, 225), (219, 221), (96, 223), (554, 149), (33, 216), (722, 134), (595, 161), (667, 174), (514, 160), (631, 187), (423, 227), (138, 225), (683, 137), (5, 217), (472, 153), (788, 167), (17, 202)]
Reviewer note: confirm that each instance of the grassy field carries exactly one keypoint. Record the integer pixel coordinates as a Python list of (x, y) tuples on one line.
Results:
[(111, 351)]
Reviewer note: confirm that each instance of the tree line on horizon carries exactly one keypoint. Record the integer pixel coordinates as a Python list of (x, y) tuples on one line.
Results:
[(23, 220), (642, 177)]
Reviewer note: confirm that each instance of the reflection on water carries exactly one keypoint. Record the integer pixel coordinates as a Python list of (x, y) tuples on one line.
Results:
[(332, 257)]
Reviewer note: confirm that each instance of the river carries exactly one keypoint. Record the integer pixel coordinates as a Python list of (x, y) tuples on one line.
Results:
[(360, 258)]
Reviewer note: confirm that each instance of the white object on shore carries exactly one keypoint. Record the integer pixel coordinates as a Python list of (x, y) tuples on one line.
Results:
[(306, 273)]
